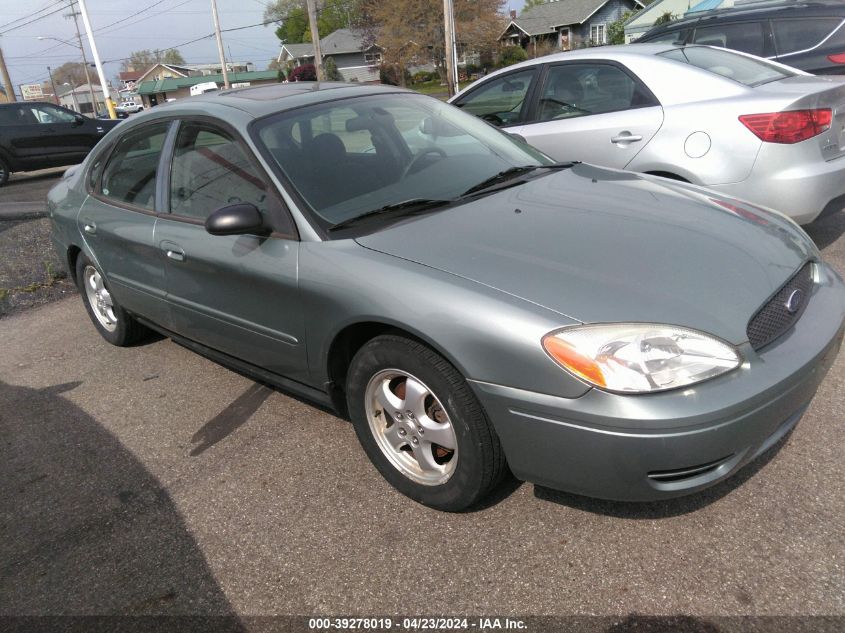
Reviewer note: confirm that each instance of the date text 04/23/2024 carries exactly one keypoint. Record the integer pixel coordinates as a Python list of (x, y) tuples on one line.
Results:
[(416, 624)]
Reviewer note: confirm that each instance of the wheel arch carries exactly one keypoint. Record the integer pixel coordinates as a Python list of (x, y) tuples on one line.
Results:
[(352, 337), (72, 255)]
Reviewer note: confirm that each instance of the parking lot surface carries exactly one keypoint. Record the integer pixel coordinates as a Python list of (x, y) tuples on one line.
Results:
[(150, 480)]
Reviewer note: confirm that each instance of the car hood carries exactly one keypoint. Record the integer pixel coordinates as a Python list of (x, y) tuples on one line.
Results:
[(600, 245)]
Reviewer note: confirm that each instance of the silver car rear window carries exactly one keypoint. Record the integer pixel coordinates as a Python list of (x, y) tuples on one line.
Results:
[(740, 68)]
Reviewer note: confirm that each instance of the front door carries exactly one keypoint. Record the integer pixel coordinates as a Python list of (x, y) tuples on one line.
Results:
[(593, 112), (237, 294), (563, 44)]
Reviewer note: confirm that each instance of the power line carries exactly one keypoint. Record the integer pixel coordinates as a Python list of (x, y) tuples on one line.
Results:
[(103, 28), (20, 26), (29, 15)]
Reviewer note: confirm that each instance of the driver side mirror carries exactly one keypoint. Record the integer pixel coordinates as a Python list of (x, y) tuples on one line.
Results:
[(236, 219), (78, 120)]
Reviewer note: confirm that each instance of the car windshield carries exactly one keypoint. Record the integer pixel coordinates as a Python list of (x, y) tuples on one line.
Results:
[(349, 157), (746, 70)]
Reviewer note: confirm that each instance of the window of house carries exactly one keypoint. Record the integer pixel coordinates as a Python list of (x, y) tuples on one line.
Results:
[(372, 58), (211, 170), (598, 33), (740, 36), (499, 101), (130, 174), (798, 35)]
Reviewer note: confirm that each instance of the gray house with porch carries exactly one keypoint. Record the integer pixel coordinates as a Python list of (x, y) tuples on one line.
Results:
[(566, 24), (355, 59)]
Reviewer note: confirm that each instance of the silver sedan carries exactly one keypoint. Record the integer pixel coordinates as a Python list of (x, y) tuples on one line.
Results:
[(744, 126)]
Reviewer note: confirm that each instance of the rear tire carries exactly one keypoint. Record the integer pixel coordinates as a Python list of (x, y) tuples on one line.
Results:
[(113, 323), (421, 425), (5, 172)]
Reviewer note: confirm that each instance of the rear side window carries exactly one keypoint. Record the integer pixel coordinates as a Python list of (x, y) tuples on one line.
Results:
[(799, 35), (745, 70), (500, 101), (574, 90), (740, 36), (130, 174)]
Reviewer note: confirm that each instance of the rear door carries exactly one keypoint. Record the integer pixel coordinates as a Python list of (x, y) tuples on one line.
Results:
[(118, 219), (238, 293), (596, 112), (63, 135)]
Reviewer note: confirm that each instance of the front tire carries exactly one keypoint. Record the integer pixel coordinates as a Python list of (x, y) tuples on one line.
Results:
[(113, 323), (421, 425)]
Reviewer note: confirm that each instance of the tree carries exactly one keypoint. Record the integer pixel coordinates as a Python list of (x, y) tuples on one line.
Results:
[(411, 31), (292, 18), (330, 69), (664, 18), (616, 30), (306, 72), (512, 55), (533, 3), (72, 73), (143, 59)]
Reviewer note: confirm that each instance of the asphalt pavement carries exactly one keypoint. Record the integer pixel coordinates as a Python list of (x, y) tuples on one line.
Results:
[(150, 480)]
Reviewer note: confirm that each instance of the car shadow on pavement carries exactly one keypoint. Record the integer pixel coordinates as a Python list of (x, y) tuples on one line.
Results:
[(87, 530), (668, 507), (825, 231)]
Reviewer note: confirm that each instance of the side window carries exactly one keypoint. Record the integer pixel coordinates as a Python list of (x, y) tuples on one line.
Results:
[(669, 37), (130, 174), (211, 170), (740, 36), (48, 114), (499, 101), (799, 35), (575, 90), (9, 115)]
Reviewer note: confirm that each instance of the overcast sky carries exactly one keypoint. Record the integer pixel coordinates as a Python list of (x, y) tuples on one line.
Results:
[(158, 24)]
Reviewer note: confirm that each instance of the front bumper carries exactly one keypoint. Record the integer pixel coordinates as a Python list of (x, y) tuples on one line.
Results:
[(648, 447)]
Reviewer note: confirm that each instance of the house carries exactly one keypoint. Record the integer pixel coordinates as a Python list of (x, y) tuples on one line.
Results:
[(355, 59), (637, 25), (155, 91), (79, 99), (566, 24)]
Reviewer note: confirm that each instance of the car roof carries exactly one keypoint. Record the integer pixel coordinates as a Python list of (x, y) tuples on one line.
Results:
[(763, 10), (268, 99)]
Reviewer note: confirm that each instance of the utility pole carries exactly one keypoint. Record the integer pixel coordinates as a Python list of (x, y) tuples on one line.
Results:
[(104, 85), (451, 57), (53, 85), (219, 35), (315, 38), (75, 14), (7, 83)]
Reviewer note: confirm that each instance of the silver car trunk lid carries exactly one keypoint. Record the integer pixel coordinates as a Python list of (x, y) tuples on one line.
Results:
[(812, 92), (601, 245)]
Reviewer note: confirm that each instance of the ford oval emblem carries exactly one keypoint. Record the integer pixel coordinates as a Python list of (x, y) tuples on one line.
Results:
[(796, 298)]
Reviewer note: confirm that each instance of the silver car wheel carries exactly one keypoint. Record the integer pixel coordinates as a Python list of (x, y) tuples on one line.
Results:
[(411, 427), (99, 298)]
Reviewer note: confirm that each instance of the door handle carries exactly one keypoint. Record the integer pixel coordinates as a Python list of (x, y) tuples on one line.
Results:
[(172, 251), (626, 137), (89, 227)]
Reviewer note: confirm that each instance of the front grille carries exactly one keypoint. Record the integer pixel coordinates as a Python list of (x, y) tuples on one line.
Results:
[(774, 318)]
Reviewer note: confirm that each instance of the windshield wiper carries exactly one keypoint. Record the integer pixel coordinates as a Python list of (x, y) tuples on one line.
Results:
[(407, 207), (510, 174)]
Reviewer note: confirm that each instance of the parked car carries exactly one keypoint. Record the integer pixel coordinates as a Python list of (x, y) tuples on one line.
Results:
[(472, 305), (741, 125), (809, 35), (36, 135), (129, 107)]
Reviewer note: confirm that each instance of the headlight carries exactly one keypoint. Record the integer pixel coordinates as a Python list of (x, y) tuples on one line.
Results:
[(639, 357)]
